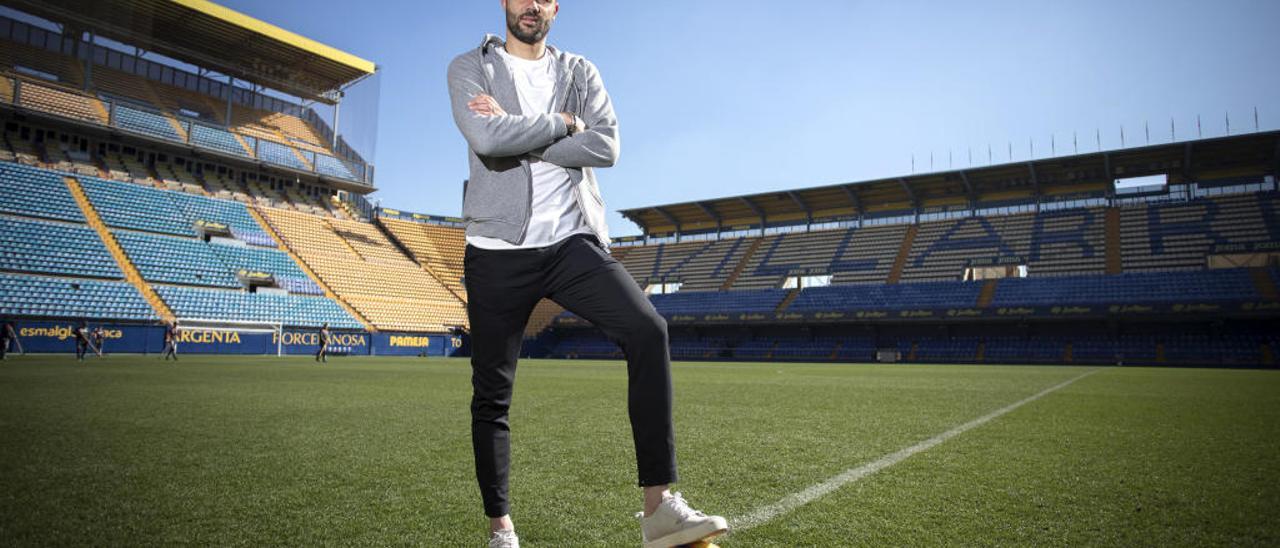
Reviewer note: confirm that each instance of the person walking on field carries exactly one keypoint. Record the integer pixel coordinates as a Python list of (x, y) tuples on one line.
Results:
[(323, 353), (83, 340), (9, 336), (538, 121), (171, 341), (99, 337)]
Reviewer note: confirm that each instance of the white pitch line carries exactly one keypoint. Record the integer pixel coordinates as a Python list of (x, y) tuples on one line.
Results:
[(814, 492)]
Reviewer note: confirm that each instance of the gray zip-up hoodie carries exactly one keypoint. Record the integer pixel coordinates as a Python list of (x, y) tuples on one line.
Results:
[(497, 199)]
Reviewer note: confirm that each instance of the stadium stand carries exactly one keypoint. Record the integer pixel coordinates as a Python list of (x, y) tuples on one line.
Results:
[(364, 269), (759, 301), (61, 102), (36, 192), (124, 231), (1141, 287), (222, 140), (125, 116), (1179, 236), (175, 260), (195, 303), (126, 205), (437, 248), (147, 103), (43, 247), (902, 296), (68, 298)]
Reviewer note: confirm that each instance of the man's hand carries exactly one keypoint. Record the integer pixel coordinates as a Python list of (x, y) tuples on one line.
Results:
[(485, 105), (574, 123)]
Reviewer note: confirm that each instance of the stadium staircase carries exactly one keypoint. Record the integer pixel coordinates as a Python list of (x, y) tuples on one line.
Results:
[(102, 109), (1160, 357), (328, 292), (344, 241), (1263, 282), (154, 97), (425, 262), (248, 150), (294, 149), (1067, 353), (1114, 258), (786, 301), (835, 352), (982, 351), (130, 271), (742, 264), (904, 251), (988, 293)]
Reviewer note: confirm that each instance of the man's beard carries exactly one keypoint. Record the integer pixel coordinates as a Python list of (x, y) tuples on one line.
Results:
[(533, 37)]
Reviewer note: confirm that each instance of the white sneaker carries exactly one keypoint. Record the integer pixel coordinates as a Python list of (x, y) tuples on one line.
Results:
[(505, 538), (675, 523)]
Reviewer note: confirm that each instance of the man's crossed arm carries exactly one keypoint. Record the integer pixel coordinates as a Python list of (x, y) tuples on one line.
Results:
[(491, 131)]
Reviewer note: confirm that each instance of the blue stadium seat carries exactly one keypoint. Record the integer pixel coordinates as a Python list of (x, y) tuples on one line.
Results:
[(329, 165), (129, 205), (193, 303), (880, 297), (54, 248), (219, 139), (276, 153), (175, 260), (36, 192), (142, 121), (36, 296), (232, 214), (1128, 288)]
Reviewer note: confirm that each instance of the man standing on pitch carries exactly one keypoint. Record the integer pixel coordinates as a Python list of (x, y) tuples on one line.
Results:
[(170, 341), (8, 336), (322, 355), (537, 120), (83, 342)]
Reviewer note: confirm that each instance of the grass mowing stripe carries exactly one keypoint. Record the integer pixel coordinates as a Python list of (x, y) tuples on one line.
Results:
[(814, 492)]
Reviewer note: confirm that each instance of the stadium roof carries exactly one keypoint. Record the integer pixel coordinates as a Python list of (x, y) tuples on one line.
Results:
[(1082, 174), (212, 37)]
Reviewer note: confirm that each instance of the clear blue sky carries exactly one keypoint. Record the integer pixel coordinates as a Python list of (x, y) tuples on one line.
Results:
[(718, 98)]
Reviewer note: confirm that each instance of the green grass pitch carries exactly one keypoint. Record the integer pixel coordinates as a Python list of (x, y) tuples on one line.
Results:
[(376, 451)]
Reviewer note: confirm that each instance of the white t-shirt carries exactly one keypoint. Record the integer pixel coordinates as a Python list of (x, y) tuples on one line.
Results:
[(555, 214)]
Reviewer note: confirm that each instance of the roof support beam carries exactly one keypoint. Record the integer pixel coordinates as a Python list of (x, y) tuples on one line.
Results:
[(1275, 173), (1107, 175), (915, 203), (854, 199), (968, 188), (669, 217), (1186, 161), (710, 210), (808, 212), (755, 209), (1035, 179)]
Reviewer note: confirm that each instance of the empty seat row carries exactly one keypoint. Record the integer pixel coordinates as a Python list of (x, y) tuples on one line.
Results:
[(234, 305), (28, 245), (70, 298)]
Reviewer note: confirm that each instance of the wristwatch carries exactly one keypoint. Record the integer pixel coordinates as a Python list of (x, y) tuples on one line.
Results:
[(573, 127)]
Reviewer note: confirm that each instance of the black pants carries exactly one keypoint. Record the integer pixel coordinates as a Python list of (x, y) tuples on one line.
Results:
[(502, 289)]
